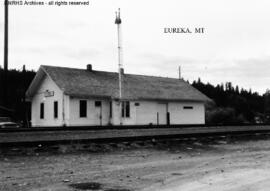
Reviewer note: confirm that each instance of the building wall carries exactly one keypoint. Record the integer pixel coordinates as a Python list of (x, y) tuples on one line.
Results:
[(117, 118), (154, 112), (146, 112), (179, 115), (93, 113), (49, 120), (150, 112)]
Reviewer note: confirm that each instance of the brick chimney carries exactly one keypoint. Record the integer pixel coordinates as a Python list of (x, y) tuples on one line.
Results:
[(89, 67), (122, 70)]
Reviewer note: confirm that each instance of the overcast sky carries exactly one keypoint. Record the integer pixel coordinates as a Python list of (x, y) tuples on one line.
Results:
[(235, 46)]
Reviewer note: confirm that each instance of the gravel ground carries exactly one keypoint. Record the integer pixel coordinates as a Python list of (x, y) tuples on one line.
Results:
[(210, 163)]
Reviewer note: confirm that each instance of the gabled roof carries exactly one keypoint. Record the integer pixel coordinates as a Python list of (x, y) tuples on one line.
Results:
[(85, 83)]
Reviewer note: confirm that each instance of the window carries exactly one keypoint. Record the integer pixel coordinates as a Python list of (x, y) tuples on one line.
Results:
[(97, 103), (125, 109), (188, 107), (110, 109), (137, 104), (83, 108), (42, 111), (55, 109)]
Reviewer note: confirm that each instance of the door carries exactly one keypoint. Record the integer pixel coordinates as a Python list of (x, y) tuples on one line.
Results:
[(162, 114), (98, 113)]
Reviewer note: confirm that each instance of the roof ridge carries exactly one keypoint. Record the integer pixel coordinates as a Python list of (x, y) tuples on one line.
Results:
[(115, 72), (155, 76), (80, 69)]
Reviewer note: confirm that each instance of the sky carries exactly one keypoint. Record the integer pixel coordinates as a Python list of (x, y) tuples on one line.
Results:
[(235, 45)]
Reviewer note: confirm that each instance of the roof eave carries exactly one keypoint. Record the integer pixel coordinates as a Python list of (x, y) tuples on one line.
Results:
[(82, 96), (35, 82)]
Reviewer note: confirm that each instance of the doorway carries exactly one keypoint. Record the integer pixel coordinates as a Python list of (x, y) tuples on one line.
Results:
[(163, 114)]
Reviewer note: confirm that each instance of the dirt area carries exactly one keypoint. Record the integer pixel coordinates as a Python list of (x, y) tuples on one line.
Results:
[(210, 163)]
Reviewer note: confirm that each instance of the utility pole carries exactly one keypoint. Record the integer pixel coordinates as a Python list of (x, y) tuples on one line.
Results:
[(120, 69), (5, 80)]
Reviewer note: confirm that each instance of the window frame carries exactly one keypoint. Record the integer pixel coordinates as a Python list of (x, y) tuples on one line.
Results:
[(42, 110), (55, 109), (83, 108), (98, 103), (110, 114), (125, 109)]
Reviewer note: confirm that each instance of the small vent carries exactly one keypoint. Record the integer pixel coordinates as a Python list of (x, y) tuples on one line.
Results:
[(188, 107)]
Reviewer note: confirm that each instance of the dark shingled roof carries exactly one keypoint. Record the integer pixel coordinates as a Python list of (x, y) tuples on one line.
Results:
[(84, 83)]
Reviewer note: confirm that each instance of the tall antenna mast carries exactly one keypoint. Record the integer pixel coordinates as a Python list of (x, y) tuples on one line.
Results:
[(120, 65), (120, 69)]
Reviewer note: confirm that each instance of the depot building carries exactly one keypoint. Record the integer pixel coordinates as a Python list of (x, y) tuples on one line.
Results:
[(63, 96)]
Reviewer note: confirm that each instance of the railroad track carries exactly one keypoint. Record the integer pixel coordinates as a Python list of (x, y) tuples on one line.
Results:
[(124, 127), (193, 143), (23, 136)]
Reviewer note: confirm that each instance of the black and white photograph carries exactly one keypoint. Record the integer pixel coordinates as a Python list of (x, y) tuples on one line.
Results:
[(124, 95)]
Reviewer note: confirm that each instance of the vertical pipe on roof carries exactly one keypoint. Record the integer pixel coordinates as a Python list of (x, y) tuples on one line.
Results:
[(180, 77)]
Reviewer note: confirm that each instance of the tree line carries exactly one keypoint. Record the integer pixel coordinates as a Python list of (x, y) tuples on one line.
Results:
[(18, 82), (232, 104)]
